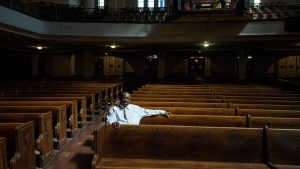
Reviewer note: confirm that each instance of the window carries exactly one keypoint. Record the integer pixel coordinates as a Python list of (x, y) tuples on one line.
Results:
[(150, 3), (100, 2), (140, 3), (161, 3)]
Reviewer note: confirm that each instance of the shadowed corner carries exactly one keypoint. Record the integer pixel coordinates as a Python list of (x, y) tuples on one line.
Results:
[(83, 160)]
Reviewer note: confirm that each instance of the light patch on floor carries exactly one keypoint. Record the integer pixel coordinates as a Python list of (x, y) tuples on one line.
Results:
[(79, 143), (65, 154)]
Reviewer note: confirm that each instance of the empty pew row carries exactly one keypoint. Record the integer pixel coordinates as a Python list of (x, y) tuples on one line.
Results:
[(230, 112), (59, 121), (178, 92), (216, 105), (71, 110), (223, 121), (194, 147), (252, 90), (20, 144), (180, 104), (89, 99), (172, 95), (3, 153), (259, 98), (177, 99), (43, 132), (81, 104)]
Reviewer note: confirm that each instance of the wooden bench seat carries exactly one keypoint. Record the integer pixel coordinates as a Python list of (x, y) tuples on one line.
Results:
[(200, 100), (43, 132), (71, 110), (264, 106), (3, 153), (274, 122), (268, 113), (197, 120), (155, 146), (257, 94), (89, 99), (197, 111), (59, 121), (180, 104), (81, 105), (261, 98), (173, 95), (248, 101), (20, 144), (125, 163), (284, 148), (177, 92)]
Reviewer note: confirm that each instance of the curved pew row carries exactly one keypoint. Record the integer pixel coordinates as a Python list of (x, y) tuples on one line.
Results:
[(81, 104), (3, 153), (178, 147), (59, 121), (71, 110), (43, 132), (21, 147)]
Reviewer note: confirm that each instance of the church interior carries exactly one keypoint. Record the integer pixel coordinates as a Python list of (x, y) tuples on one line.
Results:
[(228, 71)]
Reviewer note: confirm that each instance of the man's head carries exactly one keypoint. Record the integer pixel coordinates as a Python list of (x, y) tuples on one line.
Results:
[(125, 99)]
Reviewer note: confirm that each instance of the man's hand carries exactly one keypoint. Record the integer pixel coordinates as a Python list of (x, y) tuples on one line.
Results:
[(115, 125), (166, 114)]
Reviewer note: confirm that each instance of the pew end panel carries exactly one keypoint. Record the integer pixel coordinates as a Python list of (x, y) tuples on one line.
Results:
[(21, 147)]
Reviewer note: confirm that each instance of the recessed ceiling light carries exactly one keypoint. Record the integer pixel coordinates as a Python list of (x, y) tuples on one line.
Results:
[(39, 47), (206, 44), (113, 46)]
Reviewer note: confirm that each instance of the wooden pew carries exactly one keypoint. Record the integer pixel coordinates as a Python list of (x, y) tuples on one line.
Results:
[(274, 122), (3, 153), (264, 106), (173, 95), (43, 132), (173, 92), (197, 120), (197, 111), (260, 98), (257, 94), (20, 144), (201, 100), (71, 109), (59, 121), (89, 100), (178, 147), (81, 105), (284, 148), (268, 113), (180, 104), (248, 101)]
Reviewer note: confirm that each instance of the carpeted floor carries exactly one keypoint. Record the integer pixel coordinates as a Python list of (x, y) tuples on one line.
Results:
[(78, 152)]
